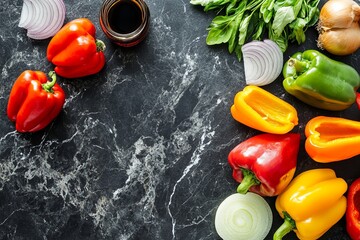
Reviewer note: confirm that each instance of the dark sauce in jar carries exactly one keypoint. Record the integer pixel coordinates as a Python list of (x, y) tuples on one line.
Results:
[(125, 22), (125, 16)]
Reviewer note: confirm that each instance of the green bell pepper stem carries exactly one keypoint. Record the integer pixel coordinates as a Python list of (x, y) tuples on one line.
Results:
[(300, 66), (285, 228), (249, 180)]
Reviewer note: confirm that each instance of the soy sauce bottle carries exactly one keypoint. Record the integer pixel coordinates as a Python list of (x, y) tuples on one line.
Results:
[(125, 22)]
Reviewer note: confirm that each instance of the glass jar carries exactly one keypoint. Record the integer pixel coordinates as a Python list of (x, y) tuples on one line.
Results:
[(125, 22)]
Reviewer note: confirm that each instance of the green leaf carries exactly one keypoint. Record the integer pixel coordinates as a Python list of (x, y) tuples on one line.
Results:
[(259, 31), (283, 17), (213, 6), (235, 29), (209, 3), (267, 10), (298, 30), (230, 9), (253, 24), (254, 4), (202, 2), (313, 14), (246, 20), (267, 6), (220, 30), (220, 20), (238, 52), (297, 7), (303, 11), (281, 41), (243, 29), (267, 16)]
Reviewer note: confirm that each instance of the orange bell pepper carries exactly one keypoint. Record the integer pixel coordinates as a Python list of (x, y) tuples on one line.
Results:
[(261, 110), (74, 50), (331, 139)]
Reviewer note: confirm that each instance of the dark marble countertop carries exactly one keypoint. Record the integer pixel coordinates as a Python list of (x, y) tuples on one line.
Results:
[(139, 150)]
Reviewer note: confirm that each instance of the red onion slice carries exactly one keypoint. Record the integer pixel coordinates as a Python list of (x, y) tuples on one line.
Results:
[(25, 17), (42, 18), (263, 62)]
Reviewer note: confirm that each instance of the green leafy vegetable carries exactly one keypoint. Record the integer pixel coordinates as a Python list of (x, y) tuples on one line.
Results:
[(239, 21), (283, 17)]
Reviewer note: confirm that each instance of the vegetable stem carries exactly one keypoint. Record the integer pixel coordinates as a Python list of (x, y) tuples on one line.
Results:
[(100, 45), (285, 228), (48, 85), (300, 66), (248, 181)]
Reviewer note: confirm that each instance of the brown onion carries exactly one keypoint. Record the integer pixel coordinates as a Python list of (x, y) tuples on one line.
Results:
[(339, 30), (340, 41), (339, 14)]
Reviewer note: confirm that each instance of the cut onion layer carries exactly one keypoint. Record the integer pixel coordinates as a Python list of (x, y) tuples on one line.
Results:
[(42, 18), (263, 62), (243, 216)]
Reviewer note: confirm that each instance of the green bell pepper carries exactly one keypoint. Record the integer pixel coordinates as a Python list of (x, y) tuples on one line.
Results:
[(320, 81)]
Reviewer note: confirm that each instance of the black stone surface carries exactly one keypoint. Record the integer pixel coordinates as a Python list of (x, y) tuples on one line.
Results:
[(140, 149)]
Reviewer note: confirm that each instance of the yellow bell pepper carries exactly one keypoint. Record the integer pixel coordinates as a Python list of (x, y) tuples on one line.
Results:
[(311, 204), (261, 110), (331, 139)]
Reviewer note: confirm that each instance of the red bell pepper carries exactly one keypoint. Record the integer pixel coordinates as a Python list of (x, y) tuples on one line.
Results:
[(34, 101), (358, 100), (353, 210), (265, 163), (74, 50)]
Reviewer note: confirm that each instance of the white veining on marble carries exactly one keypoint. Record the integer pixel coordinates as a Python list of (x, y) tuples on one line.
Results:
[(139, 150), (195, 158)]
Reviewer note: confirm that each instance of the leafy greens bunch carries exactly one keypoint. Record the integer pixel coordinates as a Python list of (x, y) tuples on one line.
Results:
[(245, 20)]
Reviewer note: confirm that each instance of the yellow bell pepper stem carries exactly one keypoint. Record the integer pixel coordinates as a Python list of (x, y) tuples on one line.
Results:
[(331, 139), (285, 228), (263, 111), (311, 204)]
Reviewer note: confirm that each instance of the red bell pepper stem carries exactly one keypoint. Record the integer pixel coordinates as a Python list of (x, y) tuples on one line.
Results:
[(49, 85), (100, 45), (249, 180)]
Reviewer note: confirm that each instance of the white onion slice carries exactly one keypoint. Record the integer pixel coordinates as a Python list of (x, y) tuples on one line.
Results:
[(42, 18), (243, 216), (263, 62)]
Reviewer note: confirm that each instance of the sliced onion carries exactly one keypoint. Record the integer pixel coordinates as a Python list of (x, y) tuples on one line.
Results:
[(243, 216), (42, 18), (263, 62)]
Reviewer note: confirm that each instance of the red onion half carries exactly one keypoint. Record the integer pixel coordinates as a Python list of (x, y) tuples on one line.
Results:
[(263, 62), (42, 18)]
